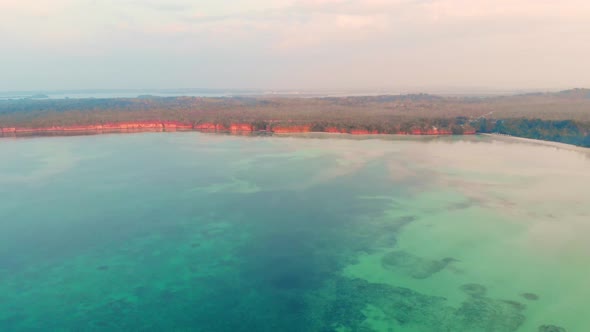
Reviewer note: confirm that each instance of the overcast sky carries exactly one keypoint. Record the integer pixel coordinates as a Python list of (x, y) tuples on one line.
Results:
[(293, 44)]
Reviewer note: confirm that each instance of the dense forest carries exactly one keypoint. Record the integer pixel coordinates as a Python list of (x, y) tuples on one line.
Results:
[(561, 117)]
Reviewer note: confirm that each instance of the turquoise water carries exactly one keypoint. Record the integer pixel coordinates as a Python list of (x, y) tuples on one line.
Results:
[(205, 232)]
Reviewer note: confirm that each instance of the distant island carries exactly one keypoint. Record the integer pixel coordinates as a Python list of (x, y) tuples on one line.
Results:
[(560, 116)]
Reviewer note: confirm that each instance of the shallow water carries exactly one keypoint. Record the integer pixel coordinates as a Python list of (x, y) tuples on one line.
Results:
[(205, 232)]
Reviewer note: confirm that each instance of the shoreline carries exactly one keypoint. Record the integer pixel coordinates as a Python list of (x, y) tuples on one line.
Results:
[(247, 129), (237, 128), (537, 141)]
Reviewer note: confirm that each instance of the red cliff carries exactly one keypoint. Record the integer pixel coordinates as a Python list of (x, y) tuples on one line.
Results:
[(291, 129), (244, 128), (210, 126), (8, 130), (431, 131), (469, 132), (363, 132), (206, 126), (174, 126), (108, 127), (240, 127), (143, 125), (335, 130)]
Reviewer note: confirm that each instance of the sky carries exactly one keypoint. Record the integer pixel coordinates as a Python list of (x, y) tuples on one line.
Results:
[(294, 44)]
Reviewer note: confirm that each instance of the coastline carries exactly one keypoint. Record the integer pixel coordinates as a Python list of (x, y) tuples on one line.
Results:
[(247, 129), (537, 141), (237, 128), (412, 114)]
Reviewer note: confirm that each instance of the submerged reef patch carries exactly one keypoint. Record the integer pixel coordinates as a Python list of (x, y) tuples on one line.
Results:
[(414, 266), (400, 222), (474, 289), (343, 304), (486, 314), (551, 328)]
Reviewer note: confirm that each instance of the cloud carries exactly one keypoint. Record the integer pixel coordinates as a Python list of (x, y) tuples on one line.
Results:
[(12, 10), (523, 9), (316, 42), (173, 6), (360, 22)]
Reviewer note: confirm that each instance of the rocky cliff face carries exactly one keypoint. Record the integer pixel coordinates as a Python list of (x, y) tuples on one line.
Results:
[(335, 130), (204, 126), (363, 132), (240, 127), (291, 129), (431, 131), (106, 127)]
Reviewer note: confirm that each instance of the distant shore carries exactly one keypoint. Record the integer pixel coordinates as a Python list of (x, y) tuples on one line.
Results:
[(173, 126), (246, 129), (539, 116)]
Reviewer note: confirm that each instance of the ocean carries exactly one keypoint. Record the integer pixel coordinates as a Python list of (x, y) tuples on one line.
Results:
[(209, 232)]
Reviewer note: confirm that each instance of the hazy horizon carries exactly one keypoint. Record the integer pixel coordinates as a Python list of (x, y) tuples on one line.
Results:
[(372, 45), (229, 92)]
